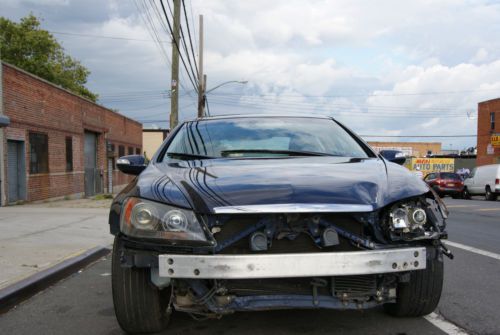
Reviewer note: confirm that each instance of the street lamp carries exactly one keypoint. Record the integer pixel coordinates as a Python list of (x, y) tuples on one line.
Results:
[(225, 83), (202, 97)]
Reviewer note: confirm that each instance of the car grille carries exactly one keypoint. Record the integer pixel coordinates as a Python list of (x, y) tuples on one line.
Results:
[(301, 243)]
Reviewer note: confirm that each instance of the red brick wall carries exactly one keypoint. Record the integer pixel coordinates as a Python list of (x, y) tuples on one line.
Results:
[(484, 131), (35, 105)]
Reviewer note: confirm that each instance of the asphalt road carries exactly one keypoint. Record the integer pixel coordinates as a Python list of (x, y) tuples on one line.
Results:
[(82, 303)]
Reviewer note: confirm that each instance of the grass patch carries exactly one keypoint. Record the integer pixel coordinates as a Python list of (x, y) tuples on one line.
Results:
[(103, 196)]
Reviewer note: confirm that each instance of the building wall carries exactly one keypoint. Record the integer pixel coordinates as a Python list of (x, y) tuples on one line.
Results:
[(416, 149), (484, 132), (152, 140), (34, 105)]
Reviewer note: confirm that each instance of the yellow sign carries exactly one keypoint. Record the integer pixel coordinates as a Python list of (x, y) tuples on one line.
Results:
[(495, 140), (428, 165)]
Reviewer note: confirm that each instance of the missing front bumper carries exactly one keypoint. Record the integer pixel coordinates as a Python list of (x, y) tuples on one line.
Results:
[(292, 265)]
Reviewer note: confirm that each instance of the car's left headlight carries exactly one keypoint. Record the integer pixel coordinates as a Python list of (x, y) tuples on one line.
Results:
[(407, 218), (149, 219)]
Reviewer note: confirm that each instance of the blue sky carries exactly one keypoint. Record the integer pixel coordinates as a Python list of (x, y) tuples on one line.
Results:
[(384, 67)]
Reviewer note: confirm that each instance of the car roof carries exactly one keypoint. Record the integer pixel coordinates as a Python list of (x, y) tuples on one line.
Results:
[(241, 116)]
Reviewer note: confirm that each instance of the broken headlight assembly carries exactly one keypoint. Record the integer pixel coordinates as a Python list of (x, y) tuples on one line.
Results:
[(149, 219), (410, 220)]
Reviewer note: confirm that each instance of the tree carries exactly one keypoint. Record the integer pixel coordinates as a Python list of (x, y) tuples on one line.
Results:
[(35, 50)]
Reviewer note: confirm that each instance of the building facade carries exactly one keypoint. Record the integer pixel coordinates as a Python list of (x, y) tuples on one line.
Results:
[(488, 132), (151, 140), (410, 149), (59, 144)]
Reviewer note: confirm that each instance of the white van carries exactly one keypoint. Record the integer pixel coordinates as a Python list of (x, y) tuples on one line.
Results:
[(483, 180)]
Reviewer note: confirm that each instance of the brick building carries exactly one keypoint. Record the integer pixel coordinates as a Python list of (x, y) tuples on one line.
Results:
[(411, 149), (488, 132), (59, 144)]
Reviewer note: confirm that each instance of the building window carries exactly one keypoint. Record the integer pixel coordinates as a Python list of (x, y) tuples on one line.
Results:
[(130, 150), (137, 151), (69, 154), (492, 120), (39, 153), (121, 151)]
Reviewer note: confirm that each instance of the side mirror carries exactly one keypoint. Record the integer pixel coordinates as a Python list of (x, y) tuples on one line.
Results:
[(393, 156), (133, 164)]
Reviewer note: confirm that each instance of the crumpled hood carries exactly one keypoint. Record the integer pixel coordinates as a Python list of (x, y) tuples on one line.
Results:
[(203, 185)]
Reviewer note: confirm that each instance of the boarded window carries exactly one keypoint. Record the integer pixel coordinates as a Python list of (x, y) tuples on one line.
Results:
[(121, 151), (130, 150), (137, 151), (69, 154), (39, 153)]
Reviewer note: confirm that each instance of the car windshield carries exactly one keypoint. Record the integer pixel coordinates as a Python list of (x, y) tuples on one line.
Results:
[(263, 137), (452, 176)]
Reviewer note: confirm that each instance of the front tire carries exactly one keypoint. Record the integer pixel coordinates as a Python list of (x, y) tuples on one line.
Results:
[(140, 307), (466, 194), (489, 196), (420, 296)]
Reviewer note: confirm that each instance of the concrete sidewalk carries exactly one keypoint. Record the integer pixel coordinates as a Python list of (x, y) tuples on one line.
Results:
[(35, 237)]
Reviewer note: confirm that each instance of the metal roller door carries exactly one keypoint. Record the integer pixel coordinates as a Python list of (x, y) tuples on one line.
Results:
[(16, 174)]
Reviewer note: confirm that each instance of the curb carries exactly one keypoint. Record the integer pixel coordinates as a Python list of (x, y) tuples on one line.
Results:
[(14, 294)]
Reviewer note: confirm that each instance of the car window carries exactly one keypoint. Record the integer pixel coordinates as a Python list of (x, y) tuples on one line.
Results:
[(473, 172), (448, 175), (430, 176), (215, 137)]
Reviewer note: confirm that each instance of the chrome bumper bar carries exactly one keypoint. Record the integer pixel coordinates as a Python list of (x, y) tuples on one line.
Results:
[(292, 265)]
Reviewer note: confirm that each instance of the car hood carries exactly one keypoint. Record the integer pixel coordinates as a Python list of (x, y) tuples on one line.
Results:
[(206, 184)]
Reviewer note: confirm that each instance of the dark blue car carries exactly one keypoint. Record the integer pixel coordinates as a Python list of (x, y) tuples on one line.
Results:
[(240, 213)]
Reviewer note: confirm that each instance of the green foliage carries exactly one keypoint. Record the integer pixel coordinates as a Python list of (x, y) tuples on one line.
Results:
[(35, 50)]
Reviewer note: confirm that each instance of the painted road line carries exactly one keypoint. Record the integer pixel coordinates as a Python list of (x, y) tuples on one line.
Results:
[(460, 206), (488, 209), (444, 325), (472, 249)]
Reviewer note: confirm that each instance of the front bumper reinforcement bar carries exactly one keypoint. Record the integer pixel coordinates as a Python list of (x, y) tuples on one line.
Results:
[(292, 265)]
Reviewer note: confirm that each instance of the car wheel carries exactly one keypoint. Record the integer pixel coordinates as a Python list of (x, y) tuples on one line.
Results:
[(420, 296), (140, 307), (490, 196), (466, 194)]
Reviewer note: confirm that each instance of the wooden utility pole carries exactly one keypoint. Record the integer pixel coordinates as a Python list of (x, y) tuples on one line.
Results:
[(174, 98), (201, 86)]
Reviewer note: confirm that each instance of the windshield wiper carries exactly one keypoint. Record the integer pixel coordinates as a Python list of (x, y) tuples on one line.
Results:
[(226, 153), (186, 155)]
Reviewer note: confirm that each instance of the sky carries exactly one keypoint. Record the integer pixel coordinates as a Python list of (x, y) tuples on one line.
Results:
[(383, 68)]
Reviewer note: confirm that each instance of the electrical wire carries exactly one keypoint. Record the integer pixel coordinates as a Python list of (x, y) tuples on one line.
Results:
[(193, 81), (189, 34)]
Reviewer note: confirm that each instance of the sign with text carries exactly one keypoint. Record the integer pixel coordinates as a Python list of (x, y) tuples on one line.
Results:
[(428, 165), (495, 140)]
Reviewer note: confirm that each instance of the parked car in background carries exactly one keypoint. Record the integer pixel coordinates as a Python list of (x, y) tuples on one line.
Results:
[(445, 183), (483, 180)]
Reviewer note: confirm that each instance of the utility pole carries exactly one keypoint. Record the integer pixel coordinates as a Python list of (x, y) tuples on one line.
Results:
[(201, 79), (174, 99)]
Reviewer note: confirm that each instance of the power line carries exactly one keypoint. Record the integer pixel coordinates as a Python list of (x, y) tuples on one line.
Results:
[(244, 100), (107, 37), (184, 45), (423, 136), (177, 46), (352, 112), (189, 35), (300, 95)]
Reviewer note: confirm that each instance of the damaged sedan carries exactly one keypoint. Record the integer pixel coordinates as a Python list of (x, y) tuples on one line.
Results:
[(248, 213)]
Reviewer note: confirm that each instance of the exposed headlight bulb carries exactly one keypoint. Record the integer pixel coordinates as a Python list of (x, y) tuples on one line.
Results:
[(399, 218), (175, 220), (419, 217)]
